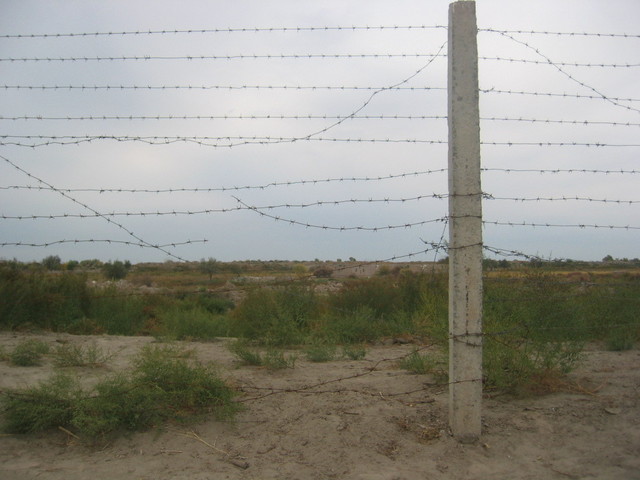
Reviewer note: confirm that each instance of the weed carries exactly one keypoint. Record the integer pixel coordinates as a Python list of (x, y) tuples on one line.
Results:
[(357, 326), (275, 359), (320, 352), (619, 339), (28, 353), (417, 363), (46, 406), (71, 355), (164, 385), (118, 314), (354, 352), (246, 355), (192, 322), (276, 317)]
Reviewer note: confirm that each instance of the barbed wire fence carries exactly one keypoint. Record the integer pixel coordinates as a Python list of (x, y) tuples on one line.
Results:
[(594, 152)]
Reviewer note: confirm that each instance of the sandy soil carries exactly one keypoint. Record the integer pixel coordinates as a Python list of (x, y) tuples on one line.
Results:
[(365, 427)]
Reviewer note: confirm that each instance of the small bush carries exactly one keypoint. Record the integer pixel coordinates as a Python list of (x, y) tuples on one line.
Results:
[(417, 363), (118, 313), (28, 353), (192, 322), (274, 316), (162, 386), (71, 355), (619, 339), (116, 270), (246, 355), (275, 359), (354, 352), (356, 326), (40, 408), (320, 352)]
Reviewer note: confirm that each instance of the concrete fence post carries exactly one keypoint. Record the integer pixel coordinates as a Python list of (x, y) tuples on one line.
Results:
[(465, 226)]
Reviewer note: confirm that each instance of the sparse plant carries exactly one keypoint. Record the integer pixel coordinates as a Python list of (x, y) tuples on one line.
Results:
[(28, 353), (620, 339), (418, 363), (73, 355), (192, 322), (275, 359), (245, 354), (163, 385), (354, 352), (39, 408), (320, 352)]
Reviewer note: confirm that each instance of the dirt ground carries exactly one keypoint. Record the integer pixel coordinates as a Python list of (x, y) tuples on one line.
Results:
[(366, 427)]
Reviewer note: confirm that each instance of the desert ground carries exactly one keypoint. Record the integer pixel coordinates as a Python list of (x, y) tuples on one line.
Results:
[(345, 419)]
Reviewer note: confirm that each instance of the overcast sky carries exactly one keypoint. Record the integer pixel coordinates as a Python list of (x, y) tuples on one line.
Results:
[(258, 181)]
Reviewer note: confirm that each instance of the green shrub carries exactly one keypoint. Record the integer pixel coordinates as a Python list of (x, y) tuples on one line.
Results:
[(28, 353), (378, 295), (275, 316), (213, 303), (621, 338), (354, 352), (164, 385), (246, 354), (46, 406), (116, 270), (38, 299), (273, 359), (356, 326), (417, 363), (71, 355), (192, 322), (320, 352), (118, 312)]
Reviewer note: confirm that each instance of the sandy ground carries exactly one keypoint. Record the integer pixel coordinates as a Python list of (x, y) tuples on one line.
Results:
[(365, 427)]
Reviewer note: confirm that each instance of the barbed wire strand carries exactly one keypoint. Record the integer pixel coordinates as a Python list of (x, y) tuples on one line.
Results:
[(295, 29), (89, 88), (318, 203), (236, 141), (83, 205), (309, 117), (567, 74), (318, 181), (263, 186), (555, 94), (316, 28), (281, 56), (96, 240), (558, 33)]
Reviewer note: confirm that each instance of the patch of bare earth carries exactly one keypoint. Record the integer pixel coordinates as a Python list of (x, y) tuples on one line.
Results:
[(375, 423)]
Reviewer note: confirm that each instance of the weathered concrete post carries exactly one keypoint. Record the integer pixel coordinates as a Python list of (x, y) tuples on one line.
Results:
[(465, 227)]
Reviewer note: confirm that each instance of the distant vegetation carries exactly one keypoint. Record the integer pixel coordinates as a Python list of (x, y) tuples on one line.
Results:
[(537, 314)]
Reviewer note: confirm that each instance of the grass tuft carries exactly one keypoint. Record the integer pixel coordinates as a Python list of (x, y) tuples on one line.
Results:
[(164, 385), (28, 353), (71, 355), (418, 363)]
